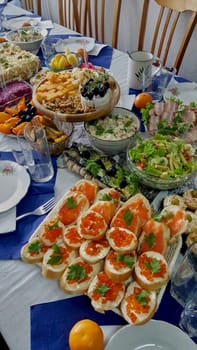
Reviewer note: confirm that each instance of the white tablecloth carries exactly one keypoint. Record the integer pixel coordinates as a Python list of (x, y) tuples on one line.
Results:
[(21, 285)]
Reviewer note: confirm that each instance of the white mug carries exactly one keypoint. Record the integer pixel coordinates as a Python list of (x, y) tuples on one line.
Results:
[(140, 62)]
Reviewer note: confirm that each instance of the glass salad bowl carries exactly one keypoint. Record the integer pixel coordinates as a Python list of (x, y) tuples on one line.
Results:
[(162, 162)]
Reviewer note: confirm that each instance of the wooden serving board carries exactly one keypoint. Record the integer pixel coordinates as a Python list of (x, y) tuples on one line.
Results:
[(80, 117)]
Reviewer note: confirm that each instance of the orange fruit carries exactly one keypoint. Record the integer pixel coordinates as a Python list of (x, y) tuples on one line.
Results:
[(86, 335), (142, 99)]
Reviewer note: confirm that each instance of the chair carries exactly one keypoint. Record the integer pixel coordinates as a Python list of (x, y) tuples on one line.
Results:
[(33, 6), (68, 14), (169, 15), (92, 18)]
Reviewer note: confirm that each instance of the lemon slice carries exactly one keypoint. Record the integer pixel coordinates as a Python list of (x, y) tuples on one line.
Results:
[(72, 59)]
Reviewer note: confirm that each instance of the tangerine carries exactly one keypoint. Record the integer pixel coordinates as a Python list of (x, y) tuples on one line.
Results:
[(142, 99), (86, 335)]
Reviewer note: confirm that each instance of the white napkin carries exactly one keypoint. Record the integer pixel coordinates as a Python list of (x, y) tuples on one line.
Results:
[(8, 220), (97, 49), (126, 101)]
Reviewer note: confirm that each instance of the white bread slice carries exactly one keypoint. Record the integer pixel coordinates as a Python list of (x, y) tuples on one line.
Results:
[(71, 237), (141, 206), (128, 219), (56, 259), (175, 218), (119, 266), (192, 221), (174, 199), (122, 240), (190, 198), (51, 231), (138, 305), (87, 187), (93, 251), (74, 204), (155, 236), (151, 270), (33, 251), (104, 293), (91, 225), (78, 275), (109, 194), (105, 208)]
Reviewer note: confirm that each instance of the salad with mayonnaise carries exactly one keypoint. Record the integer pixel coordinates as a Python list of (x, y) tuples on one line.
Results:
[(164, 157)]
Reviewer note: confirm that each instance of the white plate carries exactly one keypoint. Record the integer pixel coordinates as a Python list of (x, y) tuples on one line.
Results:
[(16, 23), (154, 335), (75, 43), (186, 92), (14, 183)]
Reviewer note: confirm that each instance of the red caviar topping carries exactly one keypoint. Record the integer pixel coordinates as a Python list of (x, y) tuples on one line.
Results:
[(111, 289), (73, 236), (121, 238), (134, 306), (93, 248), (147, 269)]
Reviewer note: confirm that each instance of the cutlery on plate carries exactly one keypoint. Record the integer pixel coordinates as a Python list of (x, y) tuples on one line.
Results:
[(43, 209)]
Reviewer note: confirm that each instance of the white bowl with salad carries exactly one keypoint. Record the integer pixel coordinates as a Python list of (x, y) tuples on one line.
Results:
[(113, 133), (162, 162), (28, 38)]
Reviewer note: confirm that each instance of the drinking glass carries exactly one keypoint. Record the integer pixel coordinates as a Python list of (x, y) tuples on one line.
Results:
[(3, 4), (184, 281), (41, 169), (188, 319)]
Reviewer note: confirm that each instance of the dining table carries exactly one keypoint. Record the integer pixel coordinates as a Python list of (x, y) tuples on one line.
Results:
[(34, 312)]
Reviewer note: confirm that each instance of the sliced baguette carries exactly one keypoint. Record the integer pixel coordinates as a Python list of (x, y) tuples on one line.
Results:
[(138, 305), (109, 194), (93, 251), (104, 293), (51, 231), (78, 275), (122, 240), (74, 204), (155, 236), (92, 225), (151, 270), (119, 266), (106, 208), (88, 188), (56, 259), (71, 237), (175, 218), (33, 251)]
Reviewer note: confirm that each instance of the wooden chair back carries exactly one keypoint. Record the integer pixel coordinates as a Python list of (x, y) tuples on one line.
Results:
[(169, 15), (68, 14), (33, 6), (92, 17)]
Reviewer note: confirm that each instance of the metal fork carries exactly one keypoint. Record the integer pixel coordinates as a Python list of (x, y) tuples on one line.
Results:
[(43, 209)]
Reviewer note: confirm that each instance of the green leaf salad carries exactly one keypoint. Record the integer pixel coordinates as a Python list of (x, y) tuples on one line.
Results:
[(164, 157)]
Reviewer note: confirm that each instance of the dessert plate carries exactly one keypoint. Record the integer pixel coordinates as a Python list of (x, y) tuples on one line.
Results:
[(14, 183), (74, 43), (154, 335), (186, 92)]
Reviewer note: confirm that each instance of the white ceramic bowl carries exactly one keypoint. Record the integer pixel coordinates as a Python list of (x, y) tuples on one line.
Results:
[(118, 145), (28, 38)]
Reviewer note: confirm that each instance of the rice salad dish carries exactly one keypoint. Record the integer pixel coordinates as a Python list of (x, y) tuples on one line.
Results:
[(113, 127)]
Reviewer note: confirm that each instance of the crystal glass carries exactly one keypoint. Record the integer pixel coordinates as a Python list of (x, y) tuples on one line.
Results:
[(188, 320), (3, 3), (184, 281)]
